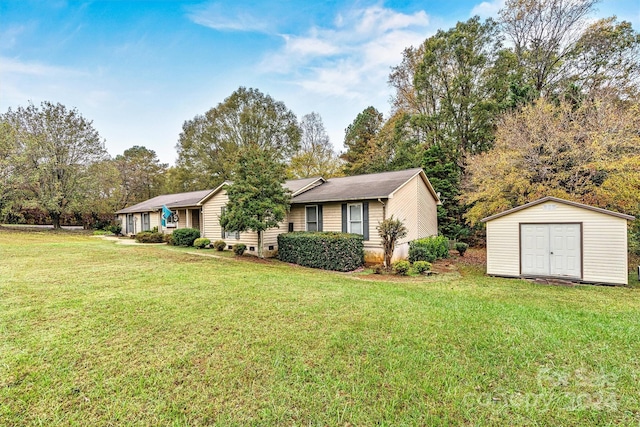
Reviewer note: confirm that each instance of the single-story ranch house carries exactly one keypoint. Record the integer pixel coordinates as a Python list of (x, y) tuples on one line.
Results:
[(353, 204), (557, 238)]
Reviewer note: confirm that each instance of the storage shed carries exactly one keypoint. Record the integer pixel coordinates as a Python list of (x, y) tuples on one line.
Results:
[(556, 238)]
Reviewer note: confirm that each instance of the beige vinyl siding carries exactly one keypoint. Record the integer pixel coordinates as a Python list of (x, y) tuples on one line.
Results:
[(211, 228), (332, 219), (415, 206), (604, 241), (427, 211), (182, 218), (154, 220)]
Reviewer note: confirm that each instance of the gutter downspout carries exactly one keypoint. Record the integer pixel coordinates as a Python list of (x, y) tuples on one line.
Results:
[(384, 209)]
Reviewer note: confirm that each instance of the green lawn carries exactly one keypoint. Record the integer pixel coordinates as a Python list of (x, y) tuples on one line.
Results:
[(94, 333)]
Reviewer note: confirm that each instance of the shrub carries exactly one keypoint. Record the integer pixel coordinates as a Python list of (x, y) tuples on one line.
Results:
[(461, 248), (201, 242), (185, 236), (326, 250), (390, 230), (100, 232), (115, 228), (436, 247), (168, 239), (401, 267), (219, 245), (155, 229), (420, 253), (239, 248), (379, 269), (421, 267), (149, 237)]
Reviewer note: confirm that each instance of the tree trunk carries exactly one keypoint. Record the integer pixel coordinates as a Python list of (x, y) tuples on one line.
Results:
[(260, 244), (55, 219)]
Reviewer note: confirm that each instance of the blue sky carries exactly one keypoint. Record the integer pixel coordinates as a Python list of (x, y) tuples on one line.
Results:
[(139, 69)]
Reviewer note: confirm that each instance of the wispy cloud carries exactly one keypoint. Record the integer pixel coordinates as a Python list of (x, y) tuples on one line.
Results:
[(488, 9), (16, 66), (223, 17), (352, 55)]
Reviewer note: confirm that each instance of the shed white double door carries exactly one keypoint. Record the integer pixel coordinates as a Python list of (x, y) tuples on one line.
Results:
[(551, 250)]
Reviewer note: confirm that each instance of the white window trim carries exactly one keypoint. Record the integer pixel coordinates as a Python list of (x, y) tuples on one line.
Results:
[(361, 217), (306, 222)]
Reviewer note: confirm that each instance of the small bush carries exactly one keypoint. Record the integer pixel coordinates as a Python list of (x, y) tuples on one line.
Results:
[(461, 248), (219, 245), (185, 236), (326, 250), (168, 239), (402, 267), (420, 253), (155, 229), (149, 237), (115, 228), (239, 248), (421, 267), (201, 242), (435, 247), (379, 269)]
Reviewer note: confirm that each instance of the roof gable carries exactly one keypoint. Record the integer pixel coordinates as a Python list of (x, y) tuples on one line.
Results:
[(360, 187), (557, 200)]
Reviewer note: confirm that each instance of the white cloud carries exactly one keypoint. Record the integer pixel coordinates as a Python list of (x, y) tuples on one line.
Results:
[(350, 57), (219, 16), (15, 66), (488, 9)]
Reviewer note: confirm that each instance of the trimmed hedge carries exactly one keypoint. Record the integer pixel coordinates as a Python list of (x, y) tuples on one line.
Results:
[(185, 236), (325, 250), (429, 249)]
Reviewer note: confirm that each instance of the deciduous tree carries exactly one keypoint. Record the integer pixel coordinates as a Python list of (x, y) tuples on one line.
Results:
[(56, 146), (141, 173), (315, 156), (209, 145), (589, 153)]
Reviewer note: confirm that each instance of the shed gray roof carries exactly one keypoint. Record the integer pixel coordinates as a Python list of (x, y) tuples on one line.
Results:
[(177, 200), (557, 200), (358, 187)]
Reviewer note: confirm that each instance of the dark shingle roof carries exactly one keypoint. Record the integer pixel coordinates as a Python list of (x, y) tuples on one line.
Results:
[(359, 187), (295, 185), (177, 200)]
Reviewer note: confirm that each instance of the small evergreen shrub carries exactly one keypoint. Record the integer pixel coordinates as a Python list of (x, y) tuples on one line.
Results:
[(219, 245), (168, 239), (201, 243), (421, 267), (461, 248), (239, 248), (420, 253), (325, 250), (402, 267), (115, 228), (149, 237), (436, 247), (185, 236)]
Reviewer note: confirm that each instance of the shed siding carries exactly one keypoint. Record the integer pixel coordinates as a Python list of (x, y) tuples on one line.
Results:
[(604, 241)]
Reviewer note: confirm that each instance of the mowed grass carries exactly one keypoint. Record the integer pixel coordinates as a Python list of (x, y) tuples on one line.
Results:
[(94, 333)]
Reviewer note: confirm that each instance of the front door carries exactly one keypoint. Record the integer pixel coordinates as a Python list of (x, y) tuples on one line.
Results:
[(551, 250)]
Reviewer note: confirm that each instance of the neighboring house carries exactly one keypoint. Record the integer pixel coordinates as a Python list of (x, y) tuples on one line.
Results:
[(556, 238), (354, 204)]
